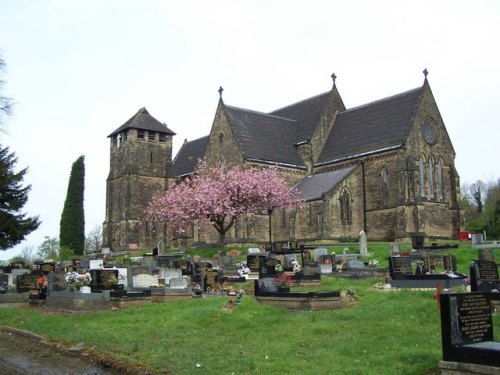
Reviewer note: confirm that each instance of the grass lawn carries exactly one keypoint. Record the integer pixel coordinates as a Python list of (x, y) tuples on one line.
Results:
[(396, 332)]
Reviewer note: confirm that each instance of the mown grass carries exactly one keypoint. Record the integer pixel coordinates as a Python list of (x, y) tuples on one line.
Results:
[(395, 332)]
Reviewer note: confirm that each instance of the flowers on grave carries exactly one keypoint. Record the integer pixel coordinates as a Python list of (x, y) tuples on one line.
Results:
[(42, 282), (157, 285), (339, 267), (283, 280), (77, 280), (233, 253), (373, 263), (278, 268)]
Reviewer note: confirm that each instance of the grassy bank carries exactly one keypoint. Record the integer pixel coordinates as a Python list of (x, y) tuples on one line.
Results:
[(395, 332)]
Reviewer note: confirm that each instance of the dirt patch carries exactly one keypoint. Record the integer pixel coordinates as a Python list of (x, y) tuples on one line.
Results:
[(22, 352)]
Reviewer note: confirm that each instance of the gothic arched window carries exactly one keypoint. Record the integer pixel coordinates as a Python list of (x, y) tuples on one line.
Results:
[(440, 178), (431, 176), (385, 187), (422, 176), (345, 207)]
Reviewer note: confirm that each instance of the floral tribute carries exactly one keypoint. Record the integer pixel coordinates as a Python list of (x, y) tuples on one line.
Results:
[(217, 195), (76, 280), (283, 280), (42, 282)]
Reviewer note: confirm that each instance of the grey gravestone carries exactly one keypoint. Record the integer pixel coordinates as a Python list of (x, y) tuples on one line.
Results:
[(450, 262), (253, 250), (363, 247), (4, 283), (477, 239), (57, 282), (394, 248), (319, 252), (177, 283), (486, 254), (355, 265)]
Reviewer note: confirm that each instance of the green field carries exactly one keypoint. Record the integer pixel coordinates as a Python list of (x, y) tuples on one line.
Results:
[(395, 332)]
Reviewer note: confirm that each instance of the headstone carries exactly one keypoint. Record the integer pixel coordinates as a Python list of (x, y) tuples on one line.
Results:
[(177, 283), (57, 282), (27, 282), (326, 268), (123, 277), (355, 265), (18, 272), (394, 249), (144, 281), (4, 283), (467, 329), (319, 252), (66, 263), (345, 251), (450, 262), (210, 280), (399, 266), (253, 250), (85, 263), (139, 270), (417, 241), (326, 259), (47, 268), (96, 264), (486, 254), (429, 266), (253, 261), (267, 267), (484, 276), (363, 247), (149, 262), (477, 239), (104, 278)]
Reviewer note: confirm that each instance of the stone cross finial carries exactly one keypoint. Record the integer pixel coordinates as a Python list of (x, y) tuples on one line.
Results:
[(333, 78), (220, 91), (425, 73)]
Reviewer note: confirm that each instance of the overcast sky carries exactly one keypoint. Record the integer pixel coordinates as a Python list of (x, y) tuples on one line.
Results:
[(77, 70)]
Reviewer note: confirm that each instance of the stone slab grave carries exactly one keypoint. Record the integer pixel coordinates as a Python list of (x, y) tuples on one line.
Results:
[(143, 281), (484, 276), (402, 275), (467, 329)]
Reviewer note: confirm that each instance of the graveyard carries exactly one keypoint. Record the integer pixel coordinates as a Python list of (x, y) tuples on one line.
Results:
[(143, 312)]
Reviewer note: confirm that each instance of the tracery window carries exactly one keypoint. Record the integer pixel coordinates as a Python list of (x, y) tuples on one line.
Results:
[(440, 179), (345, 207), (422, 176)]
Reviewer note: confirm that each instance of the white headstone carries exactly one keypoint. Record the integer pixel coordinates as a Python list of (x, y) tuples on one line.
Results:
[(122, 277), (363, 247), (253, 250), (96, 264), (144, 281), (318, 252), (326, 268)]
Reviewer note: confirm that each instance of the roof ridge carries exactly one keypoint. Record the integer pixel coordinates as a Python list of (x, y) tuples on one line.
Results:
[(260, 113), (382, 100), (301, 101)]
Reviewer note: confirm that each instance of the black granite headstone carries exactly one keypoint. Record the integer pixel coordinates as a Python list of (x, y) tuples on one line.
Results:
[(399, 266), (27, 282), (46, 268), (484, 276), (253, 261), (210, 280), (104, 279), (467, 329)]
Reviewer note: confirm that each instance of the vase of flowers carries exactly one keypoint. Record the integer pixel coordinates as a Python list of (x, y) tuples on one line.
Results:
[(42, 283), (76, 281), (284, 281)]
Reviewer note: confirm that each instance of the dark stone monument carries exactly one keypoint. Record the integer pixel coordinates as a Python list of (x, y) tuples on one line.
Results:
[(104, 279), (210, 280), (267, 267), (399, 266), (57, 282), (253, 261), (450, 262), (484, 276), (467, 329), (47, 268), (27, 282)]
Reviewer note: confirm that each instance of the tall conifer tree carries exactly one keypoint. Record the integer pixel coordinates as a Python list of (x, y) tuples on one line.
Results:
[(72, 226)]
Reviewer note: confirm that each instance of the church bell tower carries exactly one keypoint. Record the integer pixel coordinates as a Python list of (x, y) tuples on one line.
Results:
[(140, 165)]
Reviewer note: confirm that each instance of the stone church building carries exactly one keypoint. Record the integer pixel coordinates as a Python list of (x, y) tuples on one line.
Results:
[(386, 167)]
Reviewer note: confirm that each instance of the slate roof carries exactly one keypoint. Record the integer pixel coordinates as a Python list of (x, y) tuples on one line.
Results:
[(306, 113), (143, 120), (187, 157), (314, 186), (264, 137), (380, 125)]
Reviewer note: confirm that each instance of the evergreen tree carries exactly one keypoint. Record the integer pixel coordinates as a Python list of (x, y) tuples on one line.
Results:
[(14, 225), (72, 226)]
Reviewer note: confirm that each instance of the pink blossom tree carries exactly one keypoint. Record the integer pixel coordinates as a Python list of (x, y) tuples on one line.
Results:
[(217, 195)]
